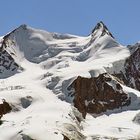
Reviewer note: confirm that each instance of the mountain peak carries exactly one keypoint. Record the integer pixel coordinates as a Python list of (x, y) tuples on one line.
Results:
[(24, 26), (21, 27), (102, 28)]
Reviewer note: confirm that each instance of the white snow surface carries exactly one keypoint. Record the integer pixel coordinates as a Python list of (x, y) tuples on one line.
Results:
[(51, 62)]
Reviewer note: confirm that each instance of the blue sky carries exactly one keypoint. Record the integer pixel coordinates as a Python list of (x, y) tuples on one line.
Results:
[(79, 17)]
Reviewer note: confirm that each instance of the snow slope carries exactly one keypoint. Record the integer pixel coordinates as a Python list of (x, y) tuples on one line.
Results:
[(42, 108)]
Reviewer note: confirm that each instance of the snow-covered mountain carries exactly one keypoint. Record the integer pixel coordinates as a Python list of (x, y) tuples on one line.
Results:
[(65, 87)]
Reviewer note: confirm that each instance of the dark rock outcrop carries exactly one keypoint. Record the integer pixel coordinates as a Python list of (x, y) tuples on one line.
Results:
[(131, 74), (8, 66), (102, 26), (26, 101), (132, 69), (98, 94), (65, 138), (4, 108), (26, 137)]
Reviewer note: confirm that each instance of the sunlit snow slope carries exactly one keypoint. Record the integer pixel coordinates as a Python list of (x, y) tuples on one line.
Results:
[(46, 64)]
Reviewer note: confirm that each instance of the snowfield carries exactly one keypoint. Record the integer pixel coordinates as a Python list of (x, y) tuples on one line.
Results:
[(42, 109)]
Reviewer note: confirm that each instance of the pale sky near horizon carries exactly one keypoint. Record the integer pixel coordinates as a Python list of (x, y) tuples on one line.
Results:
[(78, 17)]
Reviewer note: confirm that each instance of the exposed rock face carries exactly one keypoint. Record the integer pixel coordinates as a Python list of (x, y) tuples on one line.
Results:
[(131, 74), (65, 138), (71, 132), (26, 137), (132, 68), (8, 66), (97, 94), (4, 108), (26, 101), (21, 136), (104, 29)]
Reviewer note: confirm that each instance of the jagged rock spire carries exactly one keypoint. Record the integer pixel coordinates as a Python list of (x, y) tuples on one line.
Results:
[(103, 28)]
